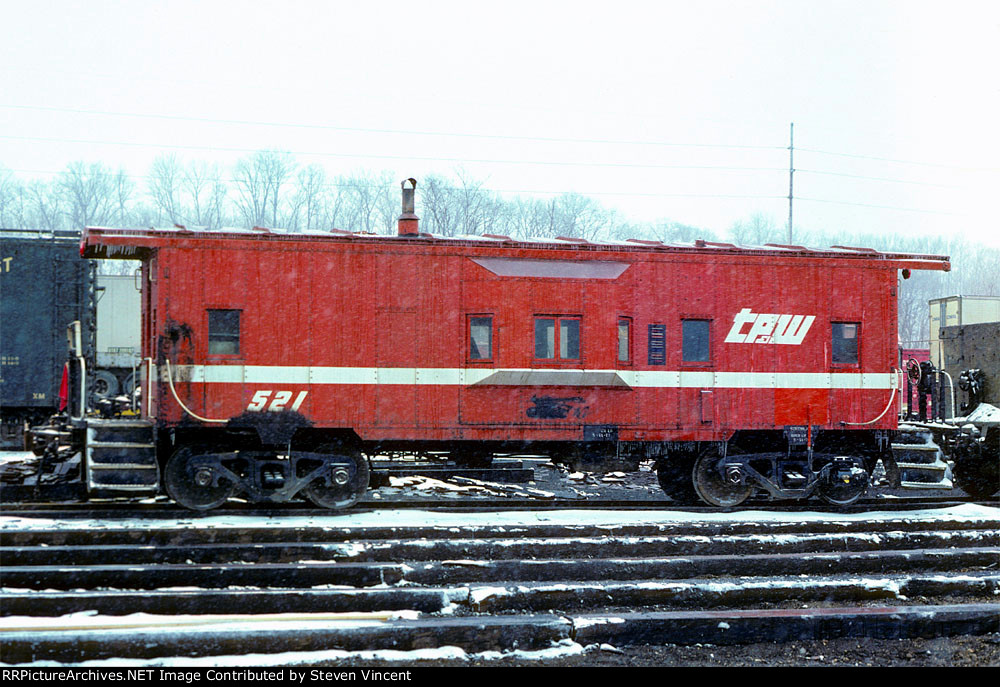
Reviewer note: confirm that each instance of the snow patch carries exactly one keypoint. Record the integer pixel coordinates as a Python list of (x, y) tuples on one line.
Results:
[(565, 647), (480, 594), (404, 519), (579, 623), (147, 622), (474, 564)]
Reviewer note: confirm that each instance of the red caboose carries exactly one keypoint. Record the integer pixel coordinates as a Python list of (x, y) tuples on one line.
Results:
[(275, 362)]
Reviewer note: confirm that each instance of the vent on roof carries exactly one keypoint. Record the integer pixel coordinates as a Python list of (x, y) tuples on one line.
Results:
[(409, 223)]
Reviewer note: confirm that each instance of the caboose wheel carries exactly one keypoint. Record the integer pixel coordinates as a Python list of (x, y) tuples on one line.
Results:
[(194, 483), (343, 485), (716, 484), (844, 483)]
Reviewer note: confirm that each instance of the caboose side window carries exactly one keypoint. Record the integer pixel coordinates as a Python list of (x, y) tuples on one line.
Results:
[(845, 342), (569, 339), (695, 343), (223, 332), (545, 337), (481, 338), (624, 340), (564, 338)]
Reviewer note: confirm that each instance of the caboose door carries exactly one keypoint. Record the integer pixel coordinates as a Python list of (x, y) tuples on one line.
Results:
[(395, 391)]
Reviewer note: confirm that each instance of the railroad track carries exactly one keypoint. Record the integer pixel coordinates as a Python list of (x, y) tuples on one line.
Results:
[(228, 584), (163, 508)]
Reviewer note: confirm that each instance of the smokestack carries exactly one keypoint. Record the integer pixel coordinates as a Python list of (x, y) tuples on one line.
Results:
[(409, 223)]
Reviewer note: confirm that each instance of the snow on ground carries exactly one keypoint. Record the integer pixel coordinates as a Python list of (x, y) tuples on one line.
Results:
[(984, 413), (411, 519), (92, 620), (565, 647)]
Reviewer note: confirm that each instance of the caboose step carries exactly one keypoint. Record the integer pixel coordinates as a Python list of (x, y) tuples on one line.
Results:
[(928, 448), (121, 456), (119, 431), (938, 467), (920, 461), (943, 484)]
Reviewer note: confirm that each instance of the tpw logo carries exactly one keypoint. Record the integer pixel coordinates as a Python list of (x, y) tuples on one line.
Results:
[(768, 328)]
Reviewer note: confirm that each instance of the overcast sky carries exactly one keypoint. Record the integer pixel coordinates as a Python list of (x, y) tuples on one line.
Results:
[(675, 110)]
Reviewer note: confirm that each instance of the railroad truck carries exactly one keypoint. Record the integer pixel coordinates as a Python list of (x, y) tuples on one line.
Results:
[(275, 364)]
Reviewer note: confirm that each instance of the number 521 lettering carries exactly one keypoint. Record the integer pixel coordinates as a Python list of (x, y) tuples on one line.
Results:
[(260, 400)]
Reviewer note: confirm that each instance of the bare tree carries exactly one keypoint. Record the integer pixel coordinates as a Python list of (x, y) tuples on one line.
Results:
[(360, 200), (46, 207), (123, 190), (387, 203), (12, 200), (259, 180), (472, 204), (164, 187), (88, 194), (437, 211), (205, 192), (308, 204), (582, 217), (663, 230), (756, 231), (531, 217)]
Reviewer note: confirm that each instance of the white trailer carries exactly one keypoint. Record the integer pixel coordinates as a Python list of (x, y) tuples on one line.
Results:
[(958, 310), (118, 328)]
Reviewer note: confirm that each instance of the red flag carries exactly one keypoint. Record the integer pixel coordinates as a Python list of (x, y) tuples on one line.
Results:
[(64, 389)]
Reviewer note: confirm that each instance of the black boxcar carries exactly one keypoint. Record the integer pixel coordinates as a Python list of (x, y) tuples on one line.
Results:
[(44, 286), (974, 347)]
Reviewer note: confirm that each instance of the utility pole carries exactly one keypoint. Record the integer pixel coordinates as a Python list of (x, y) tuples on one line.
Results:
[(791, 175)]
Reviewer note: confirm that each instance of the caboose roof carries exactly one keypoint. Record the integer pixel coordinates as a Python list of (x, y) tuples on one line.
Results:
[(105, 242)]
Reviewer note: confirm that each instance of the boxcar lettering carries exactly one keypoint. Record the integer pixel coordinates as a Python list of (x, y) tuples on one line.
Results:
[(550, 407), (769, 328), (281, 399), (791, 329), (6, 264), (259, 400)]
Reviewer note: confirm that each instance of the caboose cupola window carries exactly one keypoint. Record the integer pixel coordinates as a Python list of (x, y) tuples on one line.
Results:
[(223, 332), (845, 342), (557, 335)]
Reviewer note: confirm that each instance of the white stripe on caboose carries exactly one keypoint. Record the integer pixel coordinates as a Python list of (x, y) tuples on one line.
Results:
[(458, 376)]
